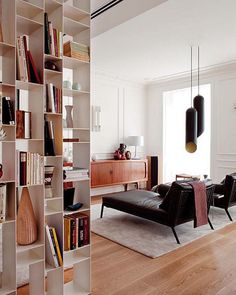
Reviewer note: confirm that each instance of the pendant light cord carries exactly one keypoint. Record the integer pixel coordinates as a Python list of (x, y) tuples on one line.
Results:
[(191, 76), (198, 74)]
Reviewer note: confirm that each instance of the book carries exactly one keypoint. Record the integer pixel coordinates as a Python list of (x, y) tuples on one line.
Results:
[(46, 35), (23, 168), (33, 71), (51, 256), (8, 116), (58, 251), (49, 146), (3, 196), (67, 234), (23, 124)]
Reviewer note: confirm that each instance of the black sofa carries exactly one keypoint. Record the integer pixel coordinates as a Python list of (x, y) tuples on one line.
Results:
[(175, 208)]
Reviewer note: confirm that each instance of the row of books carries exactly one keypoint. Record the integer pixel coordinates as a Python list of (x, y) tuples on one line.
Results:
[(7, 113), (26, 69), (23, 124), (53, 39), (53, 251), (75, 173), (3, 197), (76, 231), (76, 50), (30, 168), (53, 99)]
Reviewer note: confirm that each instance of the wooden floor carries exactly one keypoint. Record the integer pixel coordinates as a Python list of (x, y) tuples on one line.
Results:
[(206, 266)]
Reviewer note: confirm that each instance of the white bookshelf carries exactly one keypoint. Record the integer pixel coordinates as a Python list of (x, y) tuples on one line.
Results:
[(71, 17)]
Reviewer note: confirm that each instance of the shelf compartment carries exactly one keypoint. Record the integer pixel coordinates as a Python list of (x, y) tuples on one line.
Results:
[(76, 14), (4, 47), (73, 28), (27, 26), (76, 256), (74, 93), (7, 159), (30, 257), (55, 278), (53, 206), (29, 10), (52, 5), (51, 73)]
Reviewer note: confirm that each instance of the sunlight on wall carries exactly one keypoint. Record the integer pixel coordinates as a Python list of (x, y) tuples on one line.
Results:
[(175, 158)]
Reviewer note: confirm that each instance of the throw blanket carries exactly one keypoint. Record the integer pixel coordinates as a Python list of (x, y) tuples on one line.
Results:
[(200, 199)]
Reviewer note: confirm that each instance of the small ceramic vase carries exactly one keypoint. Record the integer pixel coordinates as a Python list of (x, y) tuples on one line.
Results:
[(67, 84), (76, 86), (69, 120)]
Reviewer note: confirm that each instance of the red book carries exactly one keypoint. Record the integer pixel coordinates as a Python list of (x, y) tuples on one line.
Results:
[(23, 164), (55, 41), (33, 72), (27, 57)]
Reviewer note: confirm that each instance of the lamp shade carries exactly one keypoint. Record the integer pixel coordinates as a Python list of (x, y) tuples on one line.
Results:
[(191, 130), (198, 103), (135, 140)]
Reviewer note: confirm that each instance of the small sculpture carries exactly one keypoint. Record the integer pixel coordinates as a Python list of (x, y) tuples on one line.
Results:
[(2, 134)]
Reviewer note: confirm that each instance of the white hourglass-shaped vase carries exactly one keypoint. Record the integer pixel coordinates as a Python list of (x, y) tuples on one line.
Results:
[(69, 120)]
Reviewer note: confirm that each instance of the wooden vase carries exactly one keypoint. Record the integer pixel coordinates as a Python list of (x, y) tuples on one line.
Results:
[(26, 221)]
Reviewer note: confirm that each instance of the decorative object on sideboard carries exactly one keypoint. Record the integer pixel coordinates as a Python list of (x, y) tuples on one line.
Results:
[(198, 103), (191, 119), (26, 221), (137, 140), (69, 120), (76, 86), (3, 134), (48, 181), (1, 171), (94, 157), (67, 84), (128, 155), (96, 118)]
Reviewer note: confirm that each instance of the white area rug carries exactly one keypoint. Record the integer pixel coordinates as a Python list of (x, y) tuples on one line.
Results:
[(150, 238)]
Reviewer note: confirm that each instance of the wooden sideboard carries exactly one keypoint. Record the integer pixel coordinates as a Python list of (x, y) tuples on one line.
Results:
[(115, 172)]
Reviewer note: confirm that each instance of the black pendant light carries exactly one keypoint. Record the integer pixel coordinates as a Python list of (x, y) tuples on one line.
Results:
[(191, 120), (198, 103)]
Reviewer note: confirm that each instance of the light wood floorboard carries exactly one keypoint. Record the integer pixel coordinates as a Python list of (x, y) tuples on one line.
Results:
[(206, 266)]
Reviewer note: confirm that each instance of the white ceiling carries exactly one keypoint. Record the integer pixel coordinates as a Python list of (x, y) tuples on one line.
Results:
[(156, 43)]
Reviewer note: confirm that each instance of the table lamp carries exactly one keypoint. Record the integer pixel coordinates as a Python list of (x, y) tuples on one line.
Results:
[(135, 141)]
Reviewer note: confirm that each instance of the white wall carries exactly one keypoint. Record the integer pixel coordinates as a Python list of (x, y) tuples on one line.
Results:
[(123, 113), (223, 137)]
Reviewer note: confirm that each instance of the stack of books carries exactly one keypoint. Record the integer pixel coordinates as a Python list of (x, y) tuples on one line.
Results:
[(3, 196), (73, 173), (53, 251), (26, 69), (30, 168), (76, 231), (53, 39), (7, 113), (53, 99), (23, 124), (76, 50)]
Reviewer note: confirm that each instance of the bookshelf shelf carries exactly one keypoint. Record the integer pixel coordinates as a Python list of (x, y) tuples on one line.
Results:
[(73, 63), (34, 246), (27, 26), (29, 10), (74, 93), (27, 30), (28, 85)]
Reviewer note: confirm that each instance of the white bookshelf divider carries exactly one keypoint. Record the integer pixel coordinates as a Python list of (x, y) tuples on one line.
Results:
[(26, 17)]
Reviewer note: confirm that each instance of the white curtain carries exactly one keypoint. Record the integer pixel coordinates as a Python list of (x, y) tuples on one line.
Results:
[(175, 158)]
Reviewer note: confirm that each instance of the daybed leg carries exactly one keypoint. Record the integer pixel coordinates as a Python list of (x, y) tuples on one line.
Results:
[(227, 212), (210, 224), (175, 234), (102, 211)]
